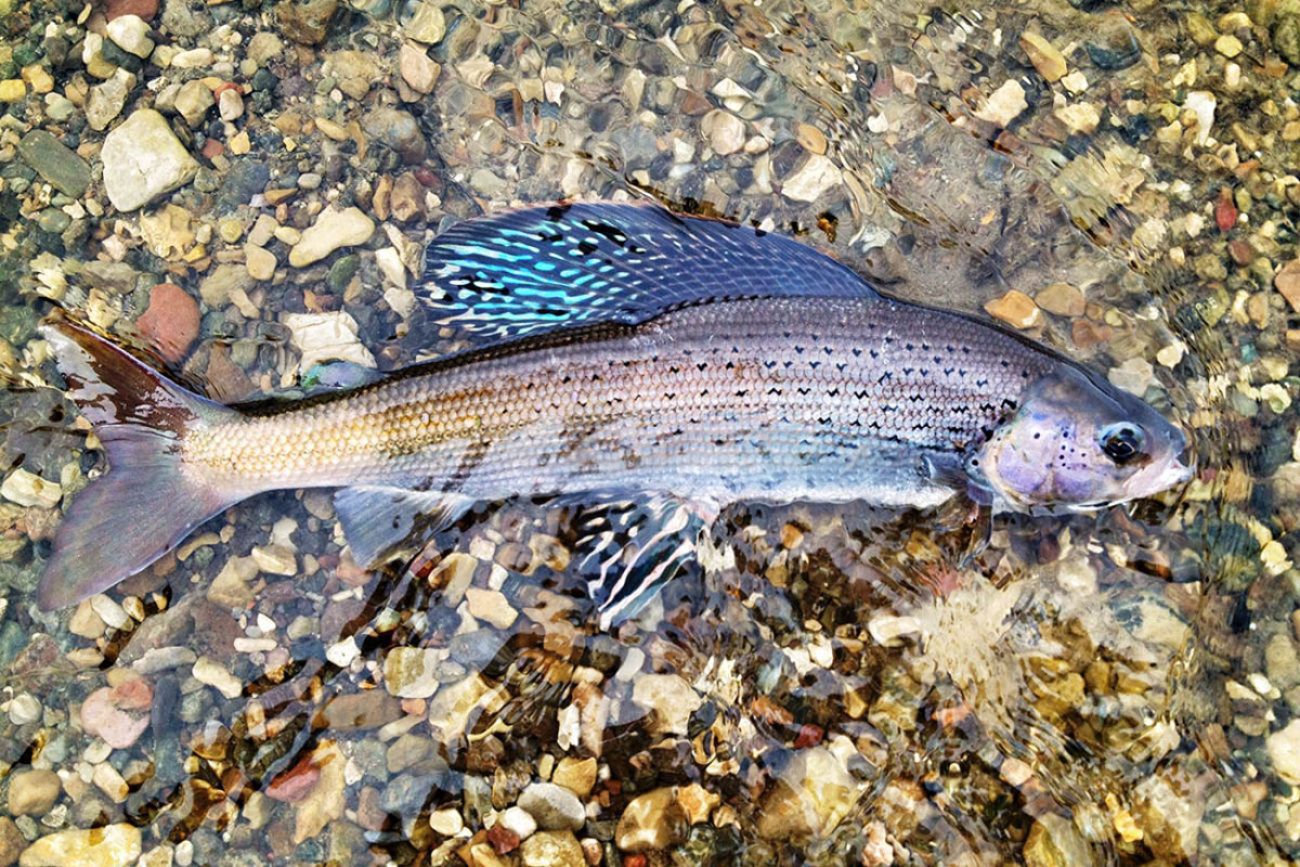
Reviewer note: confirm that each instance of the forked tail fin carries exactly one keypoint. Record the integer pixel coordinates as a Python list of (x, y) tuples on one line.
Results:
[(146, 503)]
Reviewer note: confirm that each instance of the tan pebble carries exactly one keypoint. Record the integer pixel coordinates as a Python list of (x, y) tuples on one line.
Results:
[(1076, 82), (651, 821), (1049, 62), (417, 68), (37, 78), (110, 782), (331, 129), (1016, 309), (1061, 299), (1228, 45), (230, 230), (1079, 118), (260, 262), (576, 775), (812, 139), (1287, 281), (111, 846), (490, 606), (1005, 104), (1015, 772), (13, 90), (240, 144), (1259, 310), (697, 802)]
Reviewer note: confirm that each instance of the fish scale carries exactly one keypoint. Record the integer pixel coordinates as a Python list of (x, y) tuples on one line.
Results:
[(772, 398)]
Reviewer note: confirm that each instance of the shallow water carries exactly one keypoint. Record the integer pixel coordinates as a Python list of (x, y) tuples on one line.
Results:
[(1107, 688)]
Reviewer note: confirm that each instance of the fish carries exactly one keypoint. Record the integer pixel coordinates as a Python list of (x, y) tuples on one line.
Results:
[(646, 367)]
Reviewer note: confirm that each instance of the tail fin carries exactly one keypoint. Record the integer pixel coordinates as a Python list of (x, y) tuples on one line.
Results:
[(146, 503)]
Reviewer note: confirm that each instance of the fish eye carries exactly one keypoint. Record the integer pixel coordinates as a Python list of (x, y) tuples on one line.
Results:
[(1122, 441)]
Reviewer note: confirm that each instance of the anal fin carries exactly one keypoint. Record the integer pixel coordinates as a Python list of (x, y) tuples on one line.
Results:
[(377, 519)]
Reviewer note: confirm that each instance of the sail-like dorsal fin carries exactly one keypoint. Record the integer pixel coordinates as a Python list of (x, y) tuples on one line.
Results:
[(535, 269)]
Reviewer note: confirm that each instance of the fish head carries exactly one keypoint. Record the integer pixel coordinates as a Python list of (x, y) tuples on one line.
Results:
[(1075, 443)]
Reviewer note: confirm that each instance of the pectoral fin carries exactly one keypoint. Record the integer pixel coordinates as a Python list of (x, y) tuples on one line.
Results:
[(376, 520), (949, 470), (627, 550)]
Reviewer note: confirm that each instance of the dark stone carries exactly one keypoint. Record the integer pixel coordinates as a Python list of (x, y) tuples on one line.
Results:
[(398, 131), (476, 649), (1286, 37), (1117, 48), (56, 163), (342, 272), (245, 179), (264, 80), (406, 796), (179, 19), (116, 56)]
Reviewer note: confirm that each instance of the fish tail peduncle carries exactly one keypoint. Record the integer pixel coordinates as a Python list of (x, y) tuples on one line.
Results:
[(149, 500)]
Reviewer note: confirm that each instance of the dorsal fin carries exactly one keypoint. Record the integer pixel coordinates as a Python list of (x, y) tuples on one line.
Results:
[(535, 269)]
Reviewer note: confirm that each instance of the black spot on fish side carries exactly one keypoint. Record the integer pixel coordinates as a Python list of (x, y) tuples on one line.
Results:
[(555, 213), (611, 232)]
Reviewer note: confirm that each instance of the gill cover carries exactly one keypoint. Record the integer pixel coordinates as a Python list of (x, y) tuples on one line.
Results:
[(1077, 443)]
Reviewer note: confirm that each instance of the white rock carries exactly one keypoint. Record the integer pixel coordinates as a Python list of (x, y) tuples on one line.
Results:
[(1079, 117), (389, 262), (214, 674), (518, 820), (24, 709), (1284, 751), (230, 105), (131, 34), (342, 653), (109, 611), (195, 58), (1076, 82), (817, 175), (1203, 104), (29, 489), (1005, 105), (1134, 376), (724, 131), (143, 160), (446, 822), (326, 337), (107, 99), (333, 230), (891, 630), (670, 697), (554, 807), (274, 559), (110, 846)]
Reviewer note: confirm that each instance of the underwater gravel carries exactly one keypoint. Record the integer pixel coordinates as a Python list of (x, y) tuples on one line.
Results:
[(244, 189)]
